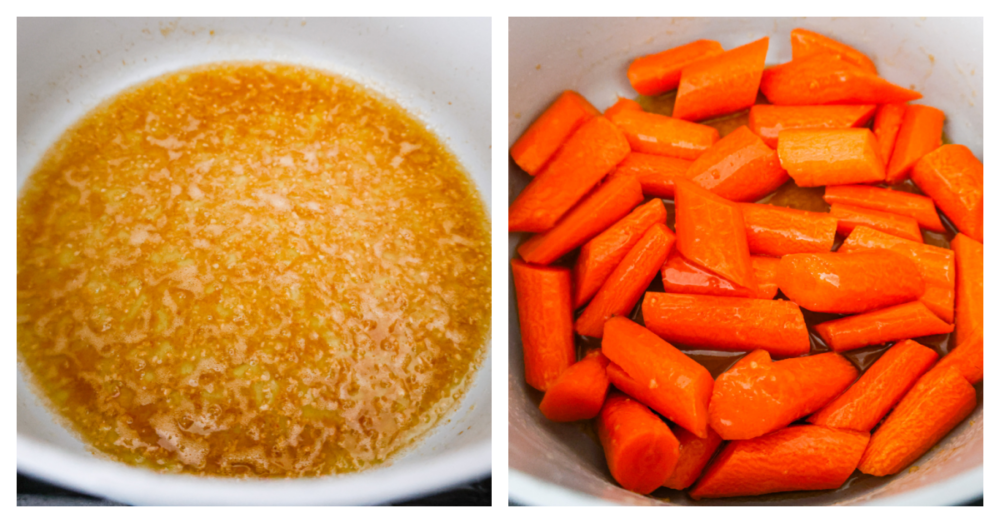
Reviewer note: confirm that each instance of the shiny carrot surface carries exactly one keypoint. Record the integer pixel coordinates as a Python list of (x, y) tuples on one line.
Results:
[(550, 131), (918, 207)]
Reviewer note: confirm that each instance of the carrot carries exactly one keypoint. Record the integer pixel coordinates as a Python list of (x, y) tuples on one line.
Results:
[(623, 104), (579, 392), (848, 217), (546, 315), (711, 233), (878, 390), (657, 374), (953, 177), (769, 120), (825, 78), (899, 322), (802, 457), (830, 157), (599, 256), (757, 395), (937, 266), (658, 73), (595, 213), (721, 84), (739, 167), (968, 288), (728, 324), (920, 208), (628, 281), (683, 277), (547, 133), (694, 455), (807, 43), (919, 134), (589, 154), (655, 173), (888, 117), (777, 231), (935, 405), (639, 447), (657, 134), (846, 283), (967, 358)]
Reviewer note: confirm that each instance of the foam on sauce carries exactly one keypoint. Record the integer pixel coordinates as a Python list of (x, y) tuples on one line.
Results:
[(251, 269)]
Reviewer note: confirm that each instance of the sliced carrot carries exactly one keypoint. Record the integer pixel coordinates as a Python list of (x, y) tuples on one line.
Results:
[(802, 457), (848, 217), (639, 447), (920, 208), (721, 84), (658, 73), (935, 405), (757, 395), (599, 256), (579, 392), (623, 104), (655, 173), (657, 374), (899, 322), (729, 324), (546, 315), (683, 277), (589, 154), (919, 134), (968, 288), (888, 117), (595, 213), (807, 43), (967, 358), (769, 120), (825, 78), (657, 134), (879, 389), (777, 231), (625, 286), (953, 177), (739, 167), (846, 283), (830, 157), (694, 455), (711, 233), (547, 133)]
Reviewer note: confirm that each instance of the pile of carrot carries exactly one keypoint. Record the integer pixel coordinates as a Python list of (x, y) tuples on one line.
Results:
[(735, 272)]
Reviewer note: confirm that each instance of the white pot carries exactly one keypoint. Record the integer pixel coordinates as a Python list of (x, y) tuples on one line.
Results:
[(557, 464), (438, 69)]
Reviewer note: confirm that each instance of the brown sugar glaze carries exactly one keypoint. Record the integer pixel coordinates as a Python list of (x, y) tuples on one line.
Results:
[(251, 269)]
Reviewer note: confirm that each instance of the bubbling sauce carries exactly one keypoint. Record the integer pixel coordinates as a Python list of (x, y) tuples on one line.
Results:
[(251, 269)]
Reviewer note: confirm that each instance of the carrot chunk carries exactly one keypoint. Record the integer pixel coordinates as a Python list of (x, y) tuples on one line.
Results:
[(953, 177), (711, 233), (920, 208), (639, 447), (777, 231), (848, 217), (967, 358), (919, 134), (579, 392), (721, 84), (888, 118), (830, 157), (683, 277), (694, 455), (658, 73), (825, 78), (807, 43), (623, 104), (768, 120), (739, 167), (968, 288), (655, 173), (899, 322), (546, 316), (657, 134), (550, 131)]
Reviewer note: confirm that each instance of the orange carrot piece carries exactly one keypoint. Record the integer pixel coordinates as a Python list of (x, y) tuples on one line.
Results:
[(739, 167), (729, 324), (888, 118), (846, 283), (878, 390), (757, 395), (589, 154), (657, 374), (827, 79), (937, 266), (658, 73), (721, 84), (919, 134), (657, 134), (899, 322), (579, 392), (623, 104), (803, 457), (599, 257), (935, 405), (546, 315), (953, 177), (628, 281), (920, 208), (639, 447), (595, 213), (768, 120), (547, 133), (849, 217), (967, 358), (777, 231), (968, 288), (711, 233), (807, 43), (655, 173), (830, 157), (683, 277), (694, 455)]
